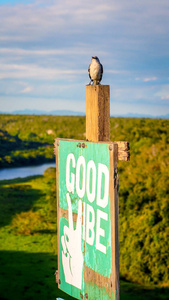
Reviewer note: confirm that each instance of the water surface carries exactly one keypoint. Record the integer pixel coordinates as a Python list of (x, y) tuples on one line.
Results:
[(11, 173)]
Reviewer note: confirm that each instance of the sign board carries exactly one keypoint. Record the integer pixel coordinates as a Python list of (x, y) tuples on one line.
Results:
[(87, 204)]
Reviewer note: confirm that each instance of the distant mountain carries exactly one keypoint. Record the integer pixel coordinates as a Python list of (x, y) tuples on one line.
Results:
[(78, 113), (133, 115), (42, 112)]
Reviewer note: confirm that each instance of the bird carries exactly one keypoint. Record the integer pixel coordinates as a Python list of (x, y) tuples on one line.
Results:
[(95, 71)]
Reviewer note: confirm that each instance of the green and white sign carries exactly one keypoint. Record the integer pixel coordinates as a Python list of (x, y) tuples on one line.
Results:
[(86, 195)]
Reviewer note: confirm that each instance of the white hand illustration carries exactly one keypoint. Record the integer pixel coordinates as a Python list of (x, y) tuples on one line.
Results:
[(72, 256)]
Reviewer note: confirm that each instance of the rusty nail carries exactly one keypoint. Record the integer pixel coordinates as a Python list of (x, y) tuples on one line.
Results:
[(57, 143), (79, 145), (86, 296), (110, 147), (83, 145), (59, 281), (81, 296)]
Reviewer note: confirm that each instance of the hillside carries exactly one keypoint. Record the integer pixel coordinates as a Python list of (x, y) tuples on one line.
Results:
[(28, 243), (144, 182), (28, 140)]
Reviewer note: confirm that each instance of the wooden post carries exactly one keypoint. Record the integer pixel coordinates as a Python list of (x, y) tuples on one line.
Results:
[(98, 113), (99, 273), (98, 129)]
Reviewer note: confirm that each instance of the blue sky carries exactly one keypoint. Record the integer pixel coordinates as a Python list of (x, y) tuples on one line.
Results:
[(46, 47)]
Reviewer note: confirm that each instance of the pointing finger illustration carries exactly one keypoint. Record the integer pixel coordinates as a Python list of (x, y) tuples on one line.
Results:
[(71, 247)]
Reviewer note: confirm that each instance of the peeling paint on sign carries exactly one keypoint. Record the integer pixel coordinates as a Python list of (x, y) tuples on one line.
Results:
[(84, 181)]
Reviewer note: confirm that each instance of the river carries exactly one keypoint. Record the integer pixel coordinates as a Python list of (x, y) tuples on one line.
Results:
[(11, 173)]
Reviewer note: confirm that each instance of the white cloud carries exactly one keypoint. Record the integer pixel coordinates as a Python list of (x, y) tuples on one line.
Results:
[(165, 97), (33, 71), (115, 71), (163, 93), (26, 90), (146, 79), (80, 50), (34, 21), (150, 79), (48, 42)]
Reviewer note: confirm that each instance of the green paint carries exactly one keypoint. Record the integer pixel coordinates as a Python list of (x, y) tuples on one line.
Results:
[(95, 258), (99, 292)]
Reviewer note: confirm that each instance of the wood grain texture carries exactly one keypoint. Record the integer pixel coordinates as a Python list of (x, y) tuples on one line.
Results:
[(98, 129), (114, 206), (98, 113), (57, 196), (123, 150)]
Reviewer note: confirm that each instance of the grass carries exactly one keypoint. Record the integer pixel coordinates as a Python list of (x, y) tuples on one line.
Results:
[(28, 245), (27, 241)]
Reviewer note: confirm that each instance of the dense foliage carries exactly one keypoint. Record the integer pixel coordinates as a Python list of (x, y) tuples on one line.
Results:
[(144, 183), (144, 215), (144, 202), (26, 140), (28, 243)]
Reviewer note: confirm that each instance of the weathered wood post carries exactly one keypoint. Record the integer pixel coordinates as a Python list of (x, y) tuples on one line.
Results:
[(87, 205), (98, 129), (98, 113)]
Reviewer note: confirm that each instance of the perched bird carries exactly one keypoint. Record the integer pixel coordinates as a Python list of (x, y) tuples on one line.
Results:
[(95, 71)]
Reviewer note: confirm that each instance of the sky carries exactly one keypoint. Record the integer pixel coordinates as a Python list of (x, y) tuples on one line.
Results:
[(47, 46)]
